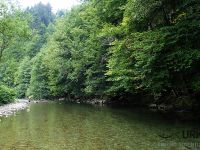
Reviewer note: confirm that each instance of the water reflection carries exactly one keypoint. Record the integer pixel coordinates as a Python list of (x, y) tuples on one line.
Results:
[(72, 126)]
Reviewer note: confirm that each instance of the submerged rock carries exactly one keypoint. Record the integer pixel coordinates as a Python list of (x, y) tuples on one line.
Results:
[(160, 107)]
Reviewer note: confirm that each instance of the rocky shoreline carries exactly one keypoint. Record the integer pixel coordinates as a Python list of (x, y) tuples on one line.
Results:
[(94, 101), (10, 109)]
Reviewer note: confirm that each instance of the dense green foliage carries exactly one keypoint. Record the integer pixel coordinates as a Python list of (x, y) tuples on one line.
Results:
[(39, 82), (7, 94), (22, 77), (20, 41), (116, 49)]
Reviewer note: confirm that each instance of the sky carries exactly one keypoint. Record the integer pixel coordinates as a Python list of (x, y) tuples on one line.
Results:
[(56, 4)]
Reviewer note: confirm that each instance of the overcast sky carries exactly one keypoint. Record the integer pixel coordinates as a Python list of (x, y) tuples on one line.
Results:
[(56, 4)]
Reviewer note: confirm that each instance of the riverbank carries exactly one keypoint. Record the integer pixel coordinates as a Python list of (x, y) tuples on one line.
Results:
[(167, 111), (10, 109)]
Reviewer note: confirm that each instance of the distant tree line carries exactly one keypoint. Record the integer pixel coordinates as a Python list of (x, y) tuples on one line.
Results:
[(140, 51)]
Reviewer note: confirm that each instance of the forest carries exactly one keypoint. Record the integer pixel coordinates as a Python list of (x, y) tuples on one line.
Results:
[(137, 52)]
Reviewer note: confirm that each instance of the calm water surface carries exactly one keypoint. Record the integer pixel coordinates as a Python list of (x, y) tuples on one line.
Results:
[(54, 126)]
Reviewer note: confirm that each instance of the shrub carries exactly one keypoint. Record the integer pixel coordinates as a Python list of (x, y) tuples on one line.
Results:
[(7, 95)]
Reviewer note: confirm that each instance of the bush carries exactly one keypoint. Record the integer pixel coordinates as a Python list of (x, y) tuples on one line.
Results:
[(7, 95)]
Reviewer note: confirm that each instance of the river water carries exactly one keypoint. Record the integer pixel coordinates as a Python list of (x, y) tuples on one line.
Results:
[(67, 126)]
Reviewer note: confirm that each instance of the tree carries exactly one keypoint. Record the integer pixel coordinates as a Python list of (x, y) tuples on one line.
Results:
[(12, 25), (38, 87), (23, 75)]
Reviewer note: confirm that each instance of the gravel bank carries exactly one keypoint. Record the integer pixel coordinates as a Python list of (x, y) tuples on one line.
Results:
[(9, 109)]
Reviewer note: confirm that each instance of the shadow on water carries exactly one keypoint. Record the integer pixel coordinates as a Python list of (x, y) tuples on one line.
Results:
[(85, 127)]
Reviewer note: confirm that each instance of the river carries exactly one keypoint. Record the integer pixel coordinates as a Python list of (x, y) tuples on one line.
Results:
[(55, 126)]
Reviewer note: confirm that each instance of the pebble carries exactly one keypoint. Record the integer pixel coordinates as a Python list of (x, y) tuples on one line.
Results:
[(9, 109)]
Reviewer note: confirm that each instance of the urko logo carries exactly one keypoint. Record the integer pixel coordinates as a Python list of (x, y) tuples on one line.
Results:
[(186, 134), (193, 133)]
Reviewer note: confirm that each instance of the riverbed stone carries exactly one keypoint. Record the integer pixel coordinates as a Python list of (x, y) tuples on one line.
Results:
[(9, 109)]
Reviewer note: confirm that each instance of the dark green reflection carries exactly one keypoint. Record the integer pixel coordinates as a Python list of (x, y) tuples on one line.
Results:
[(57, 126)]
